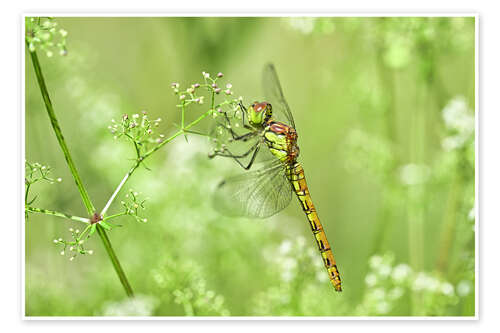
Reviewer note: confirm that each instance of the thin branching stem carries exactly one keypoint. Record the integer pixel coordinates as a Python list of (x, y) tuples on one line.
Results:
[(74, 172), (149, 153), (56, 213)]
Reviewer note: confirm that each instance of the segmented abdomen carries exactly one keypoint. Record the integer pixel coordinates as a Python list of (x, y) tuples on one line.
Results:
[(295, 174)]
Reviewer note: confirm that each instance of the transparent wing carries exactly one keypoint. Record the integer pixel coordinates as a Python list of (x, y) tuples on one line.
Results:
[(261, 193), (274, 95)]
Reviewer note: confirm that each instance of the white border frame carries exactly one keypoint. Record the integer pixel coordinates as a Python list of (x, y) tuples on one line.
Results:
[(252, 14)]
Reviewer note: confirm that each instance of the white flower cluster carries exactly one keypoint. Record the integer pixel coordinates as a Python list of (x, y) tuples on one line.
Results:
[(459, 119), (387, 283), (139, 305)]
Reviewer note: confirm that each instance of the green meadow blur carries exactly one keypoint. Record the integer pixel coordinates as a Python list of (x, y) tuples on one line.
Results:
[(384, 110)]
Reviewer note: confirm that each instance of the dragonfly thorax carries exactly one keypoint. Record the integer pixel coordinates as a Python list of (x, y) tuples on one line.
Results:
[(282, 141)]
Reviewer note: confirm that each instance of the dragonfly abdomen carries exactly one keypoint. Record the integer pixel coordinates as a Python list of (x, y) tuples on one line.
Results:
[(295, 174)]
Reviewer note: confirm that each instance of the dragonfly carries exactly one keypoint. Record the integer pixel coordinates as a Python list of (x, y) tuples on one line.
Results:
[(269, 132)]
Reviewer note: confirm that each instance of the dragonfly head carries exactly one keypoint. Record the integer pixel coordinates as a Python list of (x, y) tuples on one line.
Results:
[(259, 113)]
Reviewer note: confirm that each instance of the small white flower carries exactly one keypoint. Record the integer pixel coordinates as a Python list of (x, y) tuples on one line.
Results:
[(447, 289), (384, 270), (71, 248), (463, 288), (401, 272), (144, 220), (229, 86), (63, 32), (472, 213), (370, 280), (56, 241), (285, 247), (375, 261), (135, 116), (321, 277), (60, 239), (413, 174), (383, 307), (62, 253), (90, 252), (71, 259), (80, 242), (59, 179), (77, 231), (433, 284), (378, 293)]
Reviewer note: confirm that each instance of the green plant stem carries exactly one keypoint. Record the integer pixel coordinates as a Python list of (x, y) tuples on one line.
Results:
[(55, 213), (113, 216), (58, 133), (26, 192), (115, 261), (74, 172)]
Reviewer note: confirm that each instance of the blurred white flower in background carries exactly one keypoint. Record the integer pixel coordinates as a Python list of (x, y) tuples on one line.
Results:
[(464, 288), (285, 247), (401, 272), (370, 280), (302, 24), (139, 305), (447, 289), (459, 119), (414, 174)]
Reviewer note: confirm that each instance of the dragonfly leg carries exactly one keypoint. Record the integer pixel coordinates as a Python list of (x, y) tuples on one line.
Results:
[(235, 135), (243, 112), (227, 153)]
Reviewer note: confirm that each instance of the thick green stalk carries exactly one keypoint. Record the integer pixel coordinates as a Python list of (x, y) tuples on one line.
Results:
[(83, 192), (58, 133), (115, 261)]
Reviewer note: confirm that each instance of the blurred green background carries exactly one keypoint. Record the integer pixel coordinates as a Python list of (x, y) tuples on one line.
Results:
[(384, 108)]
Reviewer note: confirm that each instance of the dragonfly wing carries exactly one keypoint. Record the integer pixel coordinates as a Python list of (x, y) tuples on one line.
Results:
[(261, 193), (274, 95)]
